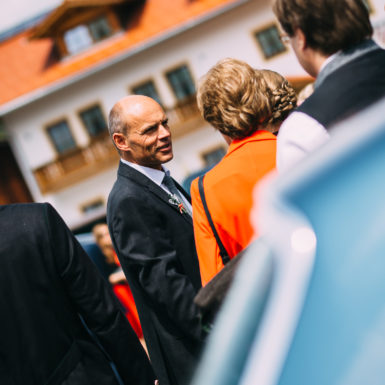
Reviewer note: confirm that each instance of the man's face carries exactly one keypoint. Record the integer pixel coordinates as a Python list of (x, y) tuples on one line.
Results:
[(107, 248), (105, 243), (148, 137)]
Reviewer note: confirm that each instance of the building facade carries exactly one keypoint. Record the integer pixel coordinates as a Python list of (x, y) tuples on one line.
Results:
[(63, 76)]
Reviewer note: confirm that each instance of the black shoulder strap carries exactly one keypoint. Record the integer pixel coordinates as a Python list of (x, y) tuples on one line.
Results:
[(222, 251)]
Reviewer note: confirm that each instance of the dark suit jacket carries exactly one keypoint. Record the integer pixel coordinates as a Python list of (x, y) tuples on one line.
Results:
[(155, 245), (46, 280)]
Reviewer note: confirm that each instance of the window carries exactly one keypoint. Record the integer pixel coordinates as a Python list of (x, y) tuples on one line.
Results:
[(368, 5), (83, 36), (147, 89), (61, 137), (77, 39), (211, 158), (270, 41), (92, 206), (181, 82), (93, 120), (100, 29)]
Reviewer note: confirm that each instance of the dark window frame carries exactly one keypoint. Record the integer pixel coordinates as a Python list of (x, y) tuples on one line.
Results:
[(97, 132), (369, 6), (261, 36), (189, 93), (48, 129), (208, 152), (91, 33), (143, 83), (93, 205), (92, 24)]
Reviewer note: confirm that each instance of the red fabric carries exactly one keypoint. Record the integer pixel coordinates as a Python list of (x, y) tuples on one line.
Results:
[(124, 294), (228, 189)]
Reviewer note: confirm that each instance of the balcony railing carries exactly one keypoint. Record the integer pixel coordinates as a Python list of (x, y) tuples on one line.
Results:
[(184, 116), (101, 154), (77, 165)]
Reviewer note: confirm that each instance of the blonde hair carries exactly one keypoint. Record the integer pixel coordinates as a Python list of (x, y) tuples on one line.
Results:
[(238, 100), (283, 97)]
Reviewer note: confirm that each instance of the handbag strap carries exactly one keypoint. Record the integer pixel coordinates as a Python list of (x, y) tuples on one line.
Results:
[(222, 250)]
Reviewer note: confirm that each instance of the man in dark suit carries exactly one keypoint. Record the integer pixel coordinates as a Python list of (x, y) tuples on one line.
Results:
[(151, 229), (46, 282)]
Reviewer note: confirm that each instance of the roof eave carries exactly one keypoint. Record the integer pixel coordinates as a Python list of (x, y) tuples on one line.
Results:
[(44, 28), (40, 93)]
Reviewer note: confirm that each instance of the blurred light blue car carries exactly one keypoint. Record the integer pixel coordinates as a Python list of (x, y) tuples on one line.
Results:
[(307, 306)]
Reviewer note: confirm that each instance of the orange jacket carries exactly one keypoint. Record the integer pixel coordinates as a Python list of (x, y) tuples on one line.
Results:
[(228, 189)]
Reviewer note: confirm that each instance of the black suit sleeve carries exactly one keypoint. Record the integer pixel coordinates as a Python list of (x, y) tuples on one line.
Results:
[(94, 300), (144, 249)]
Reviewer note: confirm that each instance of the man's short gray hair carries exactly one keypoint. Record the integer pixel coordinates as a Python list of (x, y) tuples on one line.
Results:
[(116, 121)]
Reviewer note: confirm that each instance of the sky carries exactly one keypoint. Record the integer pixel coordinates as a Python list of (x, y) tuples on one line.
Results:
[(14, 12)]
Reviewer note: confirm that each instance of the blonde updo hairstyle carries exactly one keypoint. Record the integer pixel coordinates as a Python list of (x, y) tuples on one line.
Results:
[(238, 100), (283, 98)]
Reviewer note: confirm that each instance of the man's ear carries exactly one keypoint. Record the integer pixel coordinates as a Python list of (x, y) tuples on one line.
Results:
[(120, 141), (301, 39)]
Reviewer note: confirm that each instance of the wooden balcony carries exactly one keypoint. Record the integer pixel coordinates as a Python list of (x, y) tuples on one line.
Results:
[(77, 165), (101, 154), (184, 117)]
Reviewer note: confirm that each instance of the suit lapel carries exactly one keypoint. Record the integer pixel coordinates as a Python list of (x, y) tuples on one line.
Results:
[(183, 191), (160, 193), (132, 174)]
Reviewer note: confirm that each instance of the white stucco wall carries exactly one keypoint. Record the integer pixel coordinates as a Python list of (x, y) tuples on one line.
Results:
[(229, 35)]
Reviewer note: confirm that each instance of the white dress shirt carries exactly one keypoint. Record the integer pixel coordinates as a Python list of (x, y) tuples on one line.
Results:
[(299, 134)]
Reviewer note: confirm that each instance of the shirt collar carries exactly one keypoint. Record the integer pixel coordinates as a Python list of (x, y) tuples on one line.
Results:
[(327, 61), (155, 175)]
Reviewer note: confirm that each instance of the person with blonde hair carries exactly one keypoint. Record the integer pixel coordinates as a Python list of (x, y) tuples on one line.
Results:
[(247, 107)]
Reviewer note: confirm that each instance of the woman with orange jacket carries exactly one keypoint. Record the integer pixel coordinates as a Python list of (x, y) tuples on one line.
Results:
[(247, 106)]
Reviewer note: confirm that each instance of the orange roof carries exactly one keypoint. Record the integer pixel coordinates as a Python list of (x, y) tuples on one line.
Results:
[(24, 64)]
